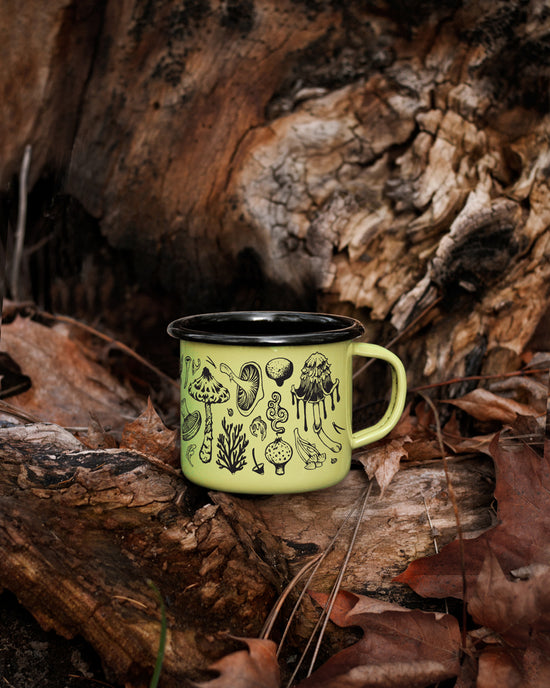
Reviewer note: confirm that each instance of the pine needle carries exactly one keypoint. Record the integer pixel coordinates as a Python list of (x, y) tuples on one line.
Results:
[(452, 496)]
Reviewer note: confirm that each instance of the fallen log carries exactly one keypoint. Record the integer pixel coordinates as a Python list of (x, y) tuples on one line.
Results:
[(84, 532)]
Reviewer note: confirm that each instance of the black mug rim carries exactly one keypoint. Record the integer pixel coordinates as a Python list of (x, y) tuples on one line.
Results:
[(266, 328)]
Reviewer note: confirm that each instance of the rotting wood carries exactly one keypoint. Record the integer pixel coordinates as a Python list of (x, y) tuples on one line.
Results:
[(83, 531), (273, 154)]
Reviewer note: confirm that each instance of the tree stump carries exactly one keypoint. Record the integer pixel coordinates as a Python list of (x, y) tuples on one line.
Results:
[(388, 161)]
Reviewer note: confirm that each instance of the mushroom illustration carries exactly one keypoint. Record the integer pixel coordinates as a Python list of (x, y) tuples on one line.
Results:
[(258, 467), (279, 454), (316, 384), (258, 428), (250, 388), (190, 422), (185, 371), (279, 369), (207, 389), (308, 452)]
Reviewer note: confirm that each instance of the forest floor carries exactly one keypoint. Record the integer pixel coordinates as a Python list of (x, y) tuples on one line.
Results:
[(514, 407), (31, 657)]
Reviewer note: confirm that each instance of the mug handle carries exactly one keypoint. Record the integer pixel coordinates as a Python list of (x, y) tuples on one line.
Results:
[(397, 399)]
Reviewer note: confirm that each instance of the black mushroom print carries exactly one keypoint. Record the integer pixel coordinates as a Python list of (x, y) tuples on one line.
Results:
[(257, 467), (249, 385), (276, 414), (258, 428), (190, 422), (185, 364), (207, 389), (308, 452), (190, 452), (232, 443), (316, 384), (277, 452), (279, 369)]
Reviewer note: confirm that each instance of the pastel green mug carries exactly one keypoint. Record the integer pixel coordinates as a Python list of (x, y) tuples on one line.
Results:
[(266, 399)]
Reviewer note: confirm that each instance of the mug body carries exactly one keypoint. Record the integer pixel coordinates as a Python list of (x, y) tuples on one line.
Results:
[(266, 400)]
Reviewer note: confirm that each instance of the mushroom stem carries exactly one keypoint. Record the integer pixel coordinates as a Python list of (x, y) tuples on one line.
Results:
[(205, 453), (326, 440)]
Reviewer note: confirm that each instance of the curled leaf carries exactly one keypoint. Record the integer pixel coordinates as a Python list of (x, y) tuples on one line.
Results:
[(401, 648), (255, 667), (486, 406)]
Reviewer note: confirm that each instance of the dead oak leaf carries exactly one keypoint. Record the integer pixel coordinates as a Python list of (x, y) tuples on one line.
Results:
[(401, 648), (382, 460), (255, 667), (150, 436), (67, 384), (487, 406), (519, 613), (519, 538)]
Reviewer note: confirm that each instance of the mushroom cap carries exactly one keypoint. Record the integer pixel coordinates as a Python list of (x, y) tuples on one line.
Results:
[(315, 379), (279, 369), (207, 389)]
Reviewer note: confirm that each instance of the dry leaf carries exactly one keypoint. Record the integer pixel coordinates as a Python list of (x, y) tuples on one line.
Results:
[(255, 667), (486, 406), (498, 668), (149, 435), (519, 612), (67, 386), (415, 430), (520, 537), (401, 648), (96, 437), (381, 461)]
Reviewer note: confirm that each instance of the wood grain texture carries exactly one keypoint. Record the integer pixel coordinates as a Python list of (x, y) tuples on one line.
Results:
[(84, 531), (370, 159)]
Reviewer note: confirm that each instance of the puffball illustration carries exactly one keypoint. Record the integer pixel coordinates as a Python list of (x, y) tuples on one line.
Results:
[(279, 369)]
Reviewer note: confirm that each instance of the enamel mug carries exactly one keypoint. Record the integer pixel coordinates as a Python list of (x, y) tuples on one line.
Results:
[(266, 399)]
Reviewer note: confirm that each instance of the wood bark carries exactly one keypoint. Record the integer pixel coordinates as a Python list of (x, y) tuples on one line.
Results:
[(83, 531), (387, 160), (382, 159)]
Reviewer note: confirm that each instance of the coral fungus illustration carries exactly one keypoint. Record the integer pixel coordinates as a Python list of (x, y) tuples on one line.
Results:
[(232, 443)]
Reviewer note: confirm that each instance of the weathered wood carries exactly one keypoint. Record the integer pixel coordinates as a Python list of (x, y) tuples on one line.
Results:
[(83, 531), (378, 159), (411, 519)]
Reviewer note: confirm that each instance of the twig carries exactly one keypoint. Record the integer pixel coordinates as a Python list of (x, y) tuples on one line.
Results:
[(114, 342), (479, 378), (338, 583), (325, 615), (432, 529), (433, 534), (454, 502), (21, 222), (268, 625), (444, 383), (8, 408), (318, 561)]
